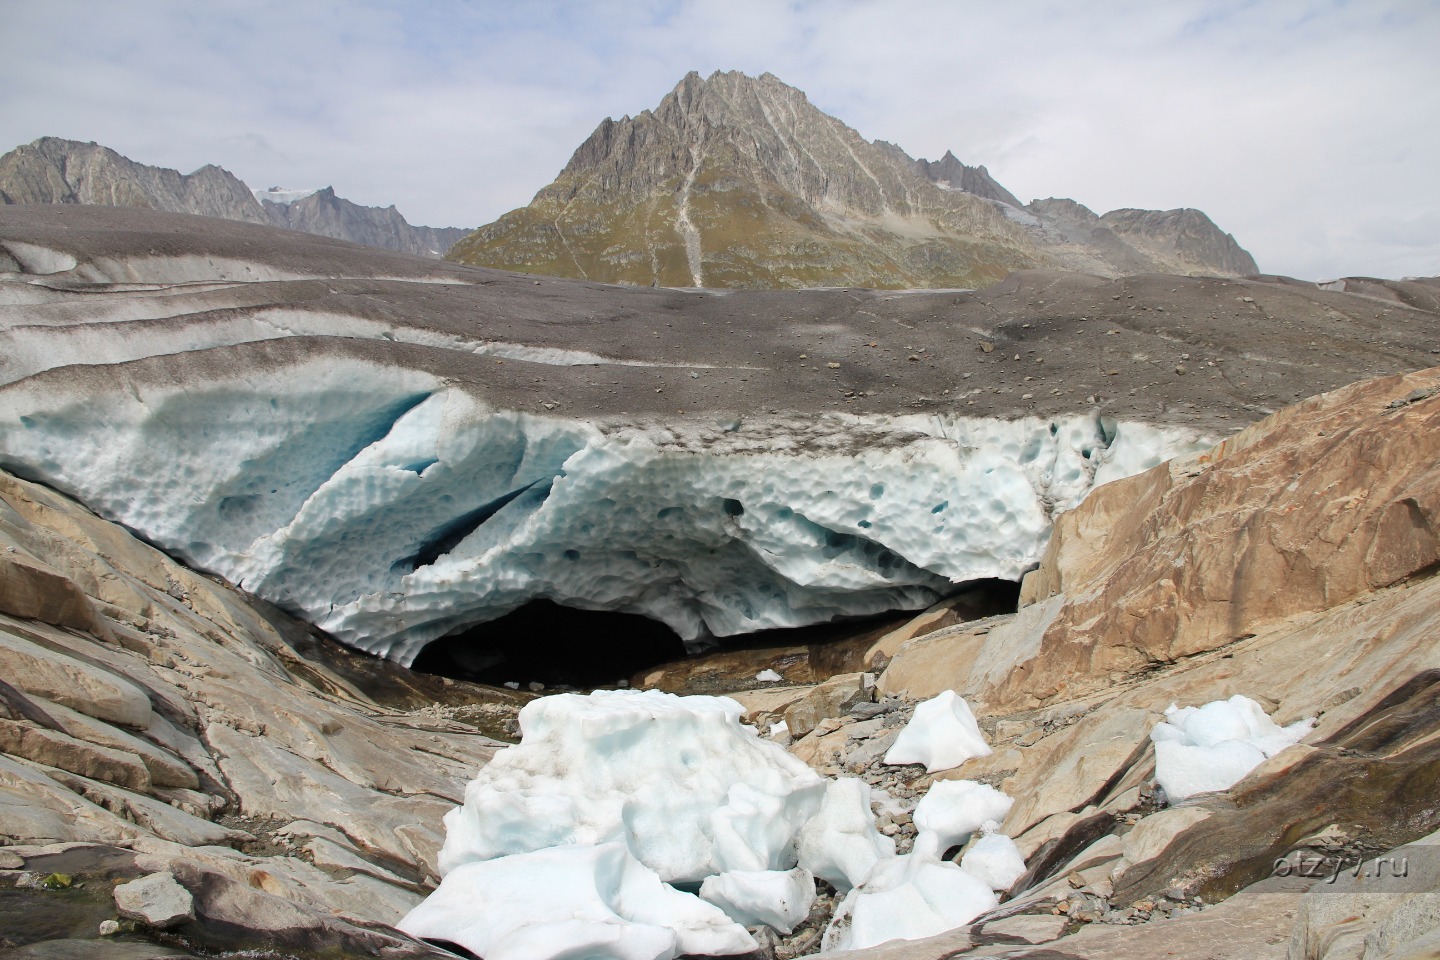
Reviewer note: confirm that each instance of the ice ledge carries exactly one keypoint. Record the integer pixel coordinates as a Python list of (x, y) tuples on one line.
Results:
[(392, 508)]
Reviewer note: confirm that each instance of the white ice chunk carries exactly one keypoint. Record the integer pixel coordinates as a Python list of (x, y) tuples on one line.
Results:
[(908, 898), (575, 901), (840, 843), (768, 676), (952, 810), (776, 898), (943, 734), (1210, 748), (690, 790), (994, 860)]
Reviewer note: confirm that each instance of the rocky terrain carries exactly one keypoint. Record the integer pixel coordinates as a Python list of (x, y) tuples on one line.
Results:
[(52, 170), (327, 215), (188, 769), (277, 793), (741, 182)]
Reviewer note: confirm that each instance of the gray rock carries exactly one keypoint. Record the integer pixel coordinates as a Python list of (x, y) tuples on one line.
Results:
[(53, 170), (157, 899)]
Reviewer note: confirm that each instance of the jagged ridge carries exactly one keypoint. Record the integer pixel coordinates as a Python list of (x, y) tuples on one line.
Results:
[(53, 170), (735, 181)]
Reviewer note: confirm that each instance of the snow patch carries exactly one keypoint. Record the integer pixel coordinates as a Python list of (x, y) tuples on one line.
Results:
[(995, 861), (573, 901), (1212, 747), (568, 843), (283, 196)]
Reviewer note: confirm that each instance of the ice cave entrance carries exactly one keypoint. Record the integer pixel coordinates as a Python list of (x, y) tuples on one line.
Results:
[(558, 646)]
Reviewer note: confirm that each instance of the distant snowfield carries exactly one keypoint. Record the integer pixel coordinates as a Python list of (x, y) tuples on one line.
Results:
[(391, 508), (282, 196)]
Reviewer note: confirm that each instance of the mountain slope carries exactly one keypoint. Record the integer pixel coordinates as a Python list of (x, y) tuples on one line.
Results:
[(740, 182), (323, 213), (53, 170)]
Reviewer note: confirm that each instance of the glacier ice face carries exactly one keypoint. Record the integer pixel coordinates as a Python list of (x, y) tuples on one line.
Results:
[(1212, 747), (391, 507)]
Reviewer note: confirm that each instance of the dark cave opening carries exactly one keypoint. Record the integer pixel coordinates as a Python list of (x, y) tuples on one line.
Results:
[(557, 646), (548, 643)]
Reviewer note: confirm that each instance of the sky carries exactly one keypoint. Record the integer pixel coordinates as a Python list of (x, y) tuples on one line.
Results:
[(1310, 129)]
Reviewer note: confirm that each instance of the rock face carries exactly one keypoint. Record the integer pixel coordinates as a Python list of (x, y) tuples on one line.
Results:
[(268, 786), (52, 170), (510, 463), (1294, 562), (325, 214), (740, 182)]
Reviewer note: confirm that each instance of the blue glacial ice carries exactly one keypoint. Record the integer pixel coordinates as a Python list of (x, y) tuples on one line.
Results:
[(391, 508)]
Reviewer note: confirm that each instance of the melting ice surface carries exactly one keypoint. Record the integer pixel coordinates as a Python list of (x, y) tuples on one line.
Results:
[(1203, 749), (573, 842), (391, 508)]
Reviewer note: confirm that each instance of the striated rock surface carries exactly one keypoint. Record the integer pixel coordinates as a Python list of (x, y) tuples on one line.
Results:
[(734, 181), (265, 782), (53, 170), (1294, 562)]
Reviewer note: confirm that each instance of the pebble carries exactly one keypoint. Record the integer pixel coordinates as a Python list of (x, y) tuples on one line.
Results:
[(108, 928)]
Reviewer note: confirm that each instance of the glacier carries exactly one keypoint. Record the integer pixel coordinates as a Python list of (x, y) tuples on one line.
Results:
[(391, 506)]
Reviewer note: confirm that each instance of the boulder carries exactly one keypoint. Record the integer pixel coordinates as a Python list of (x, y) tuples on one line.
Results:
[(156, 900), (833, 698)]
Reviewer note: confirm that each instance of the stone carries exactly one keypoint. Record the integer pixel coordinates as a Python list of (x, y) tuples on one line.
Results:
[(828, 700), (1076, 763), (1371, 482), (1029, 927), (33, 590), (108, 928), (1388, 906), (52, 748), (156, 900), (1149, 838), (11, 861), (81, 686)]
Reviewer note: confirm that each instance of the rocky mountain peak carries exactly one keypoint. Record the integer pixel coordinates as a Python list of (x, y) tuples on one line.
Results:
[(741, 181)]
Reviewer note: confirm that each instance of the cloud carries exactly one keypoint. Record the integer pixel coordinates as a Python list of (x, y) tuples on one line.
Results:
[(1298, 126)]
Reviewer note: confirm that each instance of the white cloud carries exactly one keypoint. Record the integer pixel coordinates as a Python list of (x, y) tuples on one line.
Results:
[(1302, 127)]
